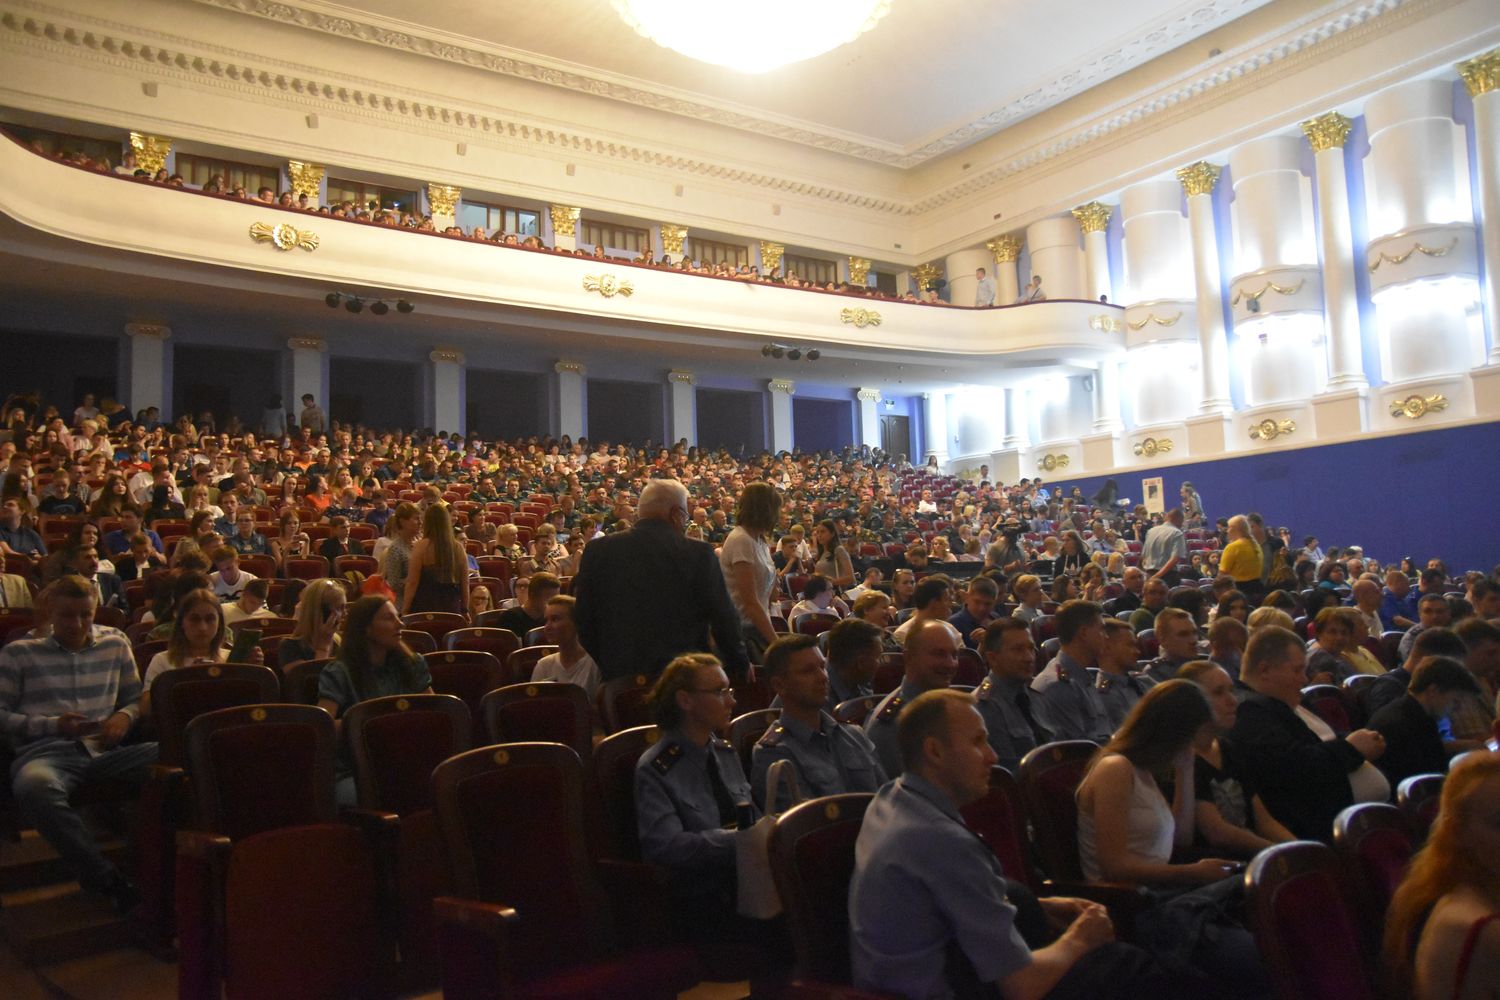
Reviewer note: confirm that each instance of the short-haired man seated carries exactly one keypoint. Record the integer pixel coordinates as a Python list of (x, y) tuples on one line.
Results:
[(931, 659), (66, 703), (931, 914), (829, 758), (1063, 694), (1004, 696), (1413, 743)]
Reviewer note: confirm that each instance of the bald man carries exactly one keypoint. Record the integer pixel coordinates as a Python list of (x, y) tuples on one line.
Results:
[(931, 659)]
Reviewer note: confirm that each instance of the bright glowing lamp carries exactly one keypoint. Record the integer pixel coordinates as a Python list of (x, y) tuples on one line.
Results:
[(774, 34)]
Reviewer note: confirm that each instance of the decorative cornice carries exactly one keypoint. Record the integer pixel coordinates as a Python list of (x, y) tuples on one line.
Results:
[(1093, 217), (859, 270), (446, 355), (307, 344), (569, 368), (681, 376), (156, 330), (564, 219), (443, 198), (1006, 249), (151, 151), (672, 237), (1482, 73), (1199, 178), (869, 395), (785, 385), (306, 178), (1326, 131)]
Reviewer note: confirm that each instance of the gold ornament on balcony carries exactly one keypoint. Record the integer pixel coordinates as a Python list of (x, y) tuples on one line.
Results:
[(1417, 407), (1051, 462), (1007, 249), (1270, 430), (860, 317), (283, 237), (1093, 217), (443, 198), (859, 271), (150, 151), (1151, 447), (1153, 318), (1401, 258), (306, 178), (770, 256), (1326, 131), (608, 285), (564, 219), (1107, 324), (672, 237), (1199, 178), (926, 275), (1482, 73), (1270, 286)]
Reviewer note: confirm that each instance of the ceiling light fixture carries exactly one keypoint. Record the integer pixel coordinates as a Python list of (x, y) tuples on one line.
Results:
[(780, 32)]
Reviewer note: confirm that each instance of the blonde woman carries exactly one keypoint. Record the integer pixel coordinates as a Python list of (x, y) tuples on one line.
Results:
[(320, 613), (438, 578)]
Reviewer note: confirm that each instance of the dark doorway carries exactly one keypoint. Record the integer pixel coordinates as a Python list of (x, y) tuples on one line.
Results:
[(730, 418), (382, 395), (895, 435), (506, 405)]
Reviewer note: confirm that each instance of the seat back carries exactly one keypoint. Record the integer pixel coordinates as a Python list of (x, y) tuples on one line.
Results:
[(999, 819), (1327, 702), (306, 568), (855, 711), (888, 673), (261, 767), (466, 673), (262, 566), (1049, 776), (1304, 923), (1147, 644), (624, 702), (299, 681), (498, 642), (815, 624), (539, 867), (396, 744), (540, 712), (615, 758), (971, 668), (1374, 845), (435, 623), (418, 641), (1417, 797), (179, 696), (521, 664), (356, 564), (749, 727), (812, 861)]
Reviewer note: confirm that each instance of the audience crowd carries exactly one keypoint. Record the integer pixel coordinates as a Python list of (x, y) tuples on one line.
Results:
[(915, 628)]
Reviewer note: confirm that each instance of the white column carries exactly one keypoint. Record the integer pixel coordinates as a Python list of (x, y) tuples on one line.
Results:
[(1107, 397), (961, 278), (309, 371), (1006, 251), (148, 367), (569, 397), (1056, 256), (1346, 363), (564, 226), (1198, 181), (869, 417), (781, 390), (1016, 433), (682, 412), (447, 390), (935, 426), (1482, 77), (1093, 219)]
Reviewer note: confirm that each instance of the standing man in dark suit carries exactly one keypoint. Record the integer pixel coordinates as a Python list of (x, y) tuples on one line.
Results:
[(650, 593)]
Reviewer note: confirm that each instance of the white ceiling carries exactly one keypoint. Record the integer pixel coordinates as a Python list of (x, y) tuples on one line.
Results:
[(932, 76)]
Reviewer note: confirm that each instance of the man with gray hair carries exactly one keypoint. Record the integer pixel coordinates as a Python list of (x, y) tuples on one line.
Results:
[(650, 593)]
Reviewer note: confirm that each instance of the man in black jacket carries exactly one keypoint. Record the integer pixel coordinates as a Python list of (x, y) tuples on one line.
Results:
[(1304, 779), (647, 594), (1413, 743)]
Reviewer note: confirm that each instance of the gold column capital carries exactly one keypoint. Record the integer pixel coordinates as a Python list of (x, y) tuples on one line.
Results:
[(859, 270), (1326, 131), (446, 355), (1482, 73), (443, 198), (154, 330), (770, 256), (1006, 249), (306, 178), (564, 219), (926, 275), (150, 151), (569, 368), (1199, 178), (1093, 217), (672, 237), (681, 376)]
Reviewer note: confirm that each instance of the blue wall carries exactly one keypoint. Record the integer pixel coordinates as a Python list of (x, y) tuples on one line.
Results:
[(1421, 495), (821, 424)]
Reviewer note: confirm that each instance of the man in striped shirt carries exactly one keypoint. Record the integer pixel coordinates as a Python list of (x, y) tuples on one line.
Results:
[(66, 703)]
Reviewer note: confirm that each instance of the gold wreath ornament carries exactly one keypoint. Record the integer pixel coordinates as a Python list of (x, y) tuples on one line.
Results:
[(861, 318), (1270, 430), (1416, 407), (1151, 447), (608, 285), (284, 237)]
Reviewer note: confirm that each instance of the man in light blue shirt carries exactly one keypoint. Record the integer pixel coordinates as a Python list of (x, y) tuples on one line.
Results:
[(984, 292)]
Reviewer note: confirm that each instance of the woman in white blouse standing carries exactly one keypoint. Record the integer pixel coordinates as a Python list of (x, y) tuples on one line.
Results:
[(748, 569)]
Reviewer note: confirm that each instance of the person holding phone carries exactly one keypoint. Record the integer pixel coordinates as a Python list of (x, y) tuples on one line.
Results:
[(197, 636), (320, 613)]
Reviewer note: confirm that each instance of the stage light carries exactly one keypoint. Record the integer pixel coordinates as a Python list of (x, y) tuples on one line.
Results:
[(404, 306), (332, 298), (777, 351), (814, 354), (765, 350), (794, 355), (354, 305), (379, 308)]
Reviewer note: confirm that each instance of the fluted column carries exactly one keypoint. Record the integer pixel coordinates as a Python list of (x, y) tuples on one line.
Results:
[(564, 226), (781, 390), (963, 280), (569, 399), (1016, 434), (148, 366), (1482, 78), (1198, 182), (869, 417), (309, 371), (1093, 219), (683, 409), (447, 414), (1006, 250), (1346, 365), (1107, 397), (935, 416)]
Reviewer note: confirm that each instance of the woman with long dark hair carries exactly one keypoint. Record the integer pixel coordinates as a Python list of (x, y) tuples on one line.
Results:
[(830, 558), (745, 558), (438, 579)]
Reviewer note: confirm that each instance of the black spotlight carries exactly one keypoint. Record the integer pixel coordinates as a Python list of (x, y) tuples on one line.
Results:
[(777, 352), (354, 305), (814, 354), (794, 355), (765, 350), (379, 308), (332, 298), (404, 306)]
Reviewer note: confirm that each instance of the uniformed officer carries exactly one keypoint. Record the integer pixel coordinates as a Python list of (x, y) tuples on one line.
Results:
[(1004, 697), (854, 650), (929, 907), (931, 660), (1177, 639), (690, 790), (1119, 685), (1064, 700), (829, 758)]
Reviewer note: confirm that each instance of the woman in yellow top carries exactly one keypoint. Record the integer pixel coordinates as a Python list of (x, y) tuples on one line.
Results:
[(1242, 559)]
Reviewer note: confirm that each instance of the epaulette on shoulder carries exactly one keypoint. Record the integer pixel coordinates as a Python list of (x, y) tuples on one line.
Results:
[(985, 689), (771, 737), (668, 758), (891, 708), (721, 745)]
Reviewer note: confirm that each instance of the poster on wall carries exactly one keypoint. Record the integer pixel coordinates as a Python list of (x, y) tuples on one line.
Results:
[(1151, 489)]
